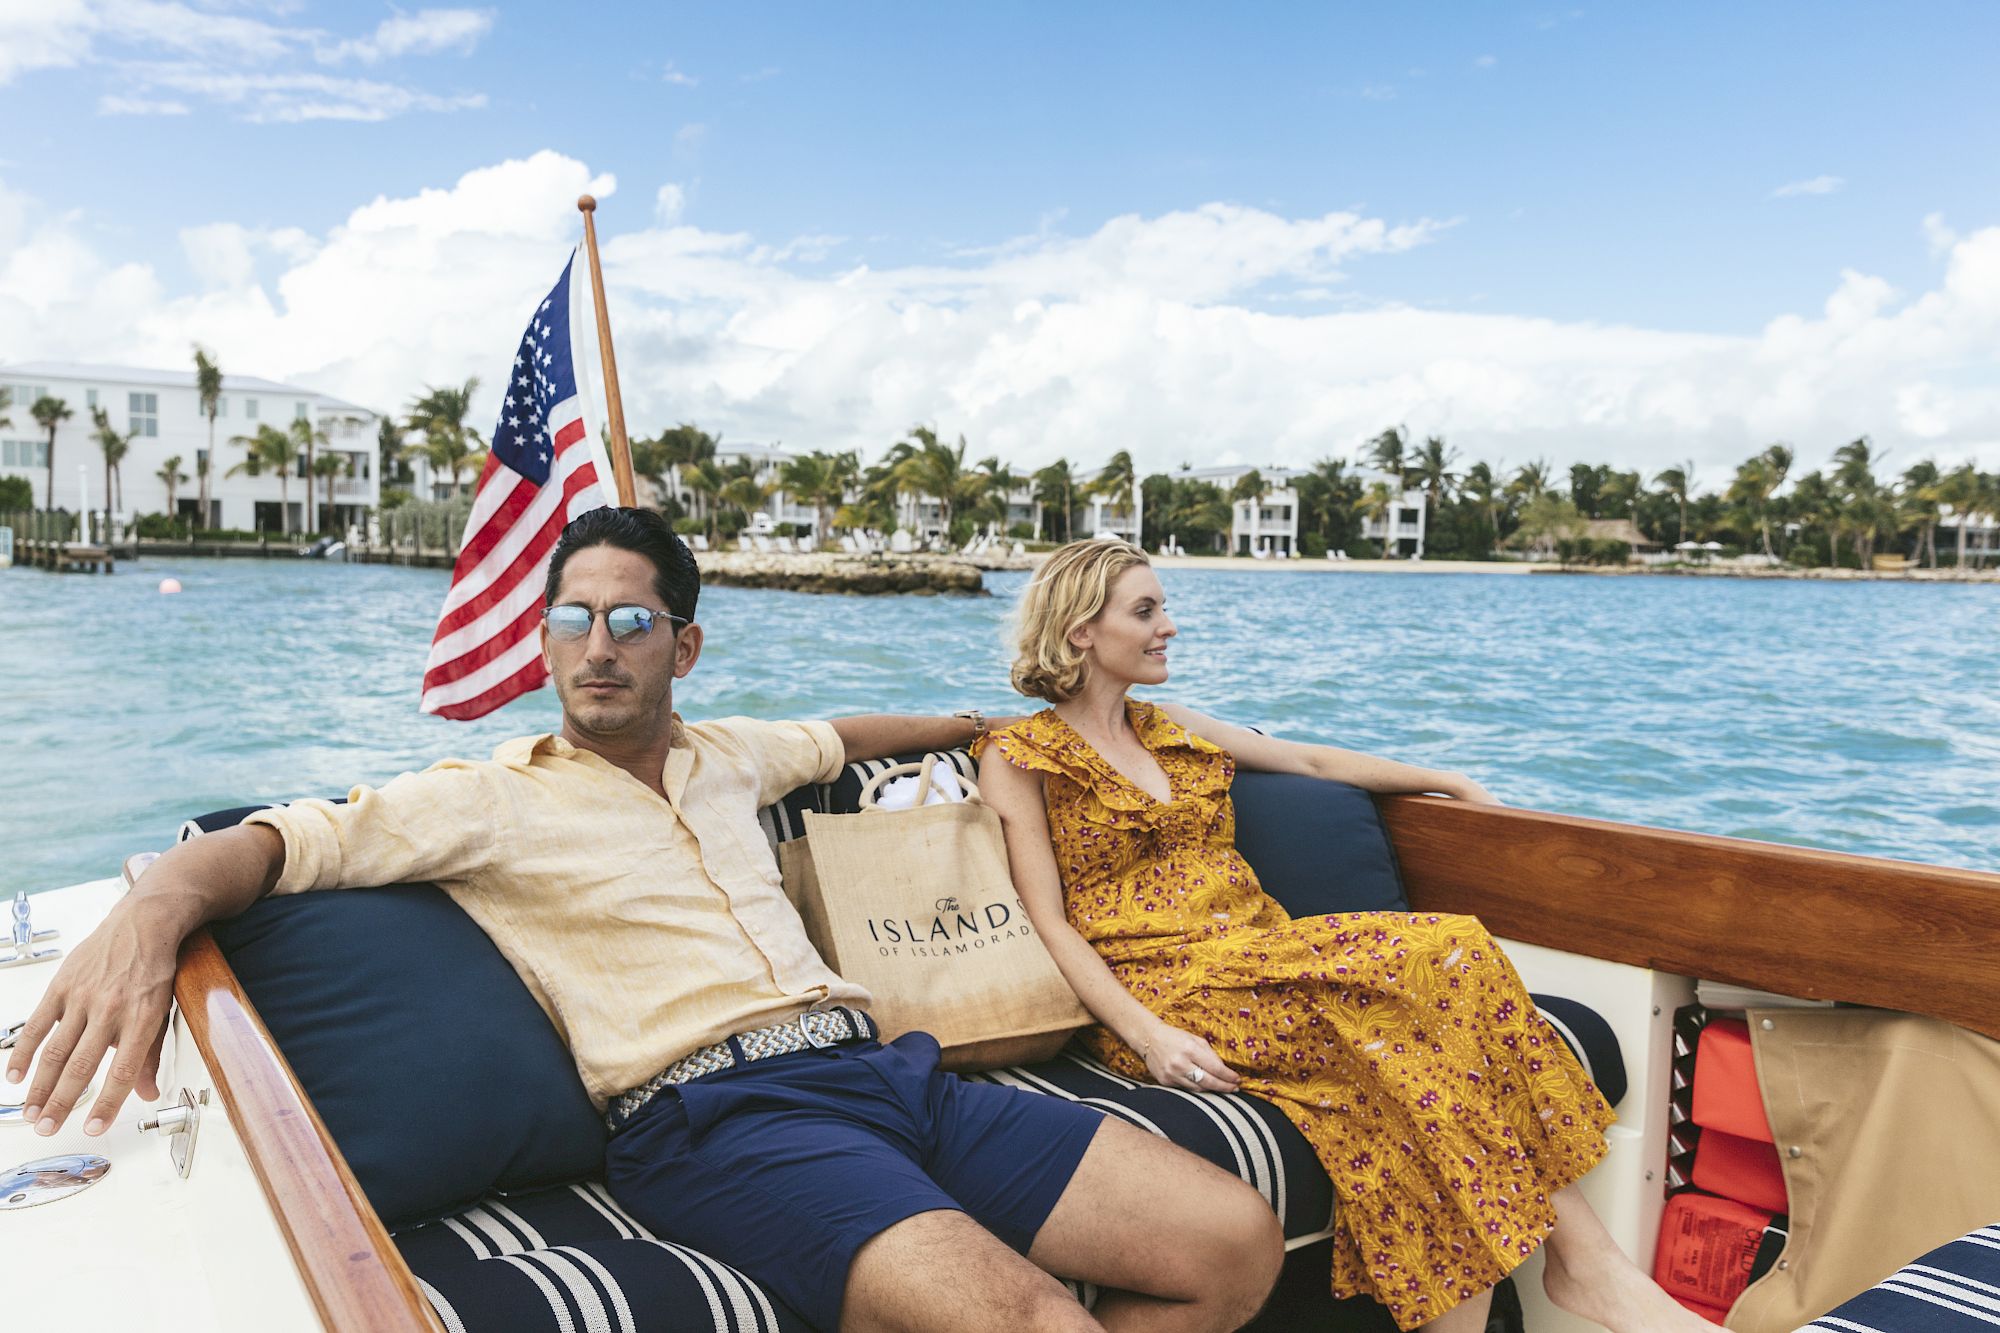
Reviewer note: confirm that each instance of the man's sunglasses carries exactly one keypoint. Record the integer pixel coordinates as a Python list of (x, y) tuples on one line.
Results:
[(571, 621)]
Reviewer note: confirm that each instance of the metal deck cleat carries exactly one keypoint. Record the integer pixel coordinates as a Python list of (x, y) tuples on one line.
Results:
[(23, 950)]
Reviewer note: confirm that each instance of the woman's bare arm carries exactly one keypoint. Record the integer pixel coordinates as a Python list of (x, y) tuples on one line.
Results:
[(1017, 797), (1267, 754)]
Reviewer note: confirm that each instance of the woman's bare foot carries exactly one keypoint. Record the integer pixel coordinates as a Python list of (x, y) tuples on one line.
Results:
[(1587, 1274), (1609, 1291)]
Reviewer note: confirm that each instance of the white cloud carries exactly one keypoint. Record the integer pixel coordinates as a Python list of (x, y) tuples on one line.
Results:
[(668, 203), (689, 138), (1176, 335), (110, 105), (1816, 185), (426, 32), (1486, 62), (48, 34), (260, 69), (674, 76), (300, 97)]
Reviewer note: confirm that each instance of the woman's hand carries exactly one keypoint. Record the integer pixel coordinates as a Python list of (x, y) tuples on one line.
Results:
[(1178, 1059), (1463, 788)]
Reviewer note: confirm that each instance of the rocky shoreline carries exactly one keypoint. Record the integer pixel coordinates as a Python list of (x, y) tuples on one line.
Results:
[(859, 575)]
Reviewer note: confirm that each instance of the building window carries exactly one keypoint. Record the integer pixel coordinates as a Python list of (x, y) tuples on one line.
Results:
[(24, 395), (221, 405), (24, 453), (299, 412), (145, 409), (200, 461), (249, 409), (90, 400)]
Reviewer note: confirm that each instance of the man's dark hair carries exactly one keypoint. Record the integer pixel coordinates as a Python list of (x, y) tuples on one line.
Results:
[(643, 532)]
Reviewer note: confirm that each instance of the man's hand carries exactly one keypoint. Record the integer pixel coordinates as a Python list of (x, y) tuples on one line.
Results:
[(114, 990), (111, 994)]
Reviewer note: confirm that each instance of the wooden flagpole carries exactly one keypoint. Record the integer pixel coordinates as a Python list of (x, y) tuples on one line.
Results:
[(621, 449)]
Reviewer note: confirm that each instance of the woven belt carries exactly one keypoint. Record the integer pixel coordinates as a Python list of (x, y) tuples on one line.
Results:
[(813, 1029)]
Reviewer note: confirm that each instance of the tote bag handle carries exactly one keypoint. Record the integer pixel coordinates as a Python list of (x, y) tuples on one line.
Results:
[(874, 785)]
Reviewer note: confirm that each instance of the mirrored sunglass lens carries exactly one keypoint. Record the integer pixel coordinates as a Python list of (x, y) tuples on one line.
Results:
[(569, 622), (629, 622)]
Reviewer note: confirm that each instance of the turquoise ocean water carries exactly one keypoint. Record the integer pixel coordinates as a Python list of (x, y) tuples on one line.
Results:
[(1860, 717)]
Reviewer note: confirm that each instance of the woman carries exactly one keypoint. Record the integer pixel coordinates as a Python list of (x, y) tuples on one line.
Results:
[(1453, 1121)]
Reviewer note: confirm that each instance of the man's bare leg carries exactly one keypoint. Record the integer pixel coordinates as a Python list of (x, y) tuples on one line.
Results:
[(943, 1271), (1176, 1243)]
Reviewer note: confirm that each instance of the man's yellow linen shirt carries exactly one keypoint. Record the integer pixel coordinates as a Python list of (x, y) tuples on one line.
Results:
[(645, 928)]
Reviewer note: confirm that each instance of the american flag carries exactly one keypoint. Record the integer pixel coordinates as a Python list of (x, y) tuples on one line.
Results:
[(542, 472)]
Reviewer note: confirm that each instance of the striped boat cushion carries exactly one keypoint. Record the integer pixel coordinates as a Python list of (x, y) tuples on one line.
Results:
[(1953, 1289), (570, 1258)]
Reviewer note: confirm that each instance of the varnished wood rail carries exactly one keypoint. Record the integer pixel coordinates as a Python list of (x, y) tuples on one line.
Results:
[(351, 1268), (1818, 925)]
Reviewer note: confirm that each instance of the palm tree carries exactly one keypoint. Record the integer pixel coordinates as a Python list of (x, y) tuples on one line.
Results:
[(391, 454), (449, 443), (743, 492), (1755, 482), (704, 481), (1866, 508), (50, 413), (820, 479), (997, 483), (928, 467), (1431, 470), (329, 465), (1119, 483), (208, 387), (170, 472), (304, 437), (114, 447), (1963, 491), (1919, 502), (1249, 487), (1815, 500), (1547, 519), (1379, 502), (1055, 488), (1676, 482), (1483, 488), (274, 449), (1389, 451), (1529, 480)]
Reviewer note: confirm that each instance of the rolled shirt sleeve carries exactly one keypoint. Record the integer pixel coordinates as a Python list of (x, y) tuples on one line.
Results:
[(430, 826), (780, 756)]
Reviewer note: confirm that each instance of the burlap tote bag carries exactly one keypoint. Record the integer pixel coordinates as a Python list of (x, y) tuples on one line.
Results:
[(917, 905)]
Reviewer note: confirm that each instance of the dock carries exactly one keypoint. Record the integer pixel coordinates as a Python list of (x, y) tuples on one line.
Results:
[(64, 557)]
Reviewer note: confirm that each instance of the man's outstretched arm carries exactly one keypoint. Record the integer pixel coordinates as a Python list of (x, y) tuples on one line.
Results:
[(879, 735), (114, 990)]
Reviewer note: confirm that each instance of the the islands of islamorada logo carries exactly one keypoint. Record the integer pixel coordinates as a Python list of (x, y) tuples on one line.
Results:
[(951, 929)]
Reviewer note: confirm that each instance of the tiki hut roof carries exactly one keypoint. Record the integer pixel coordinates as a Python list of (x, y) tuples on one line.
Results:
[(1619, 530)]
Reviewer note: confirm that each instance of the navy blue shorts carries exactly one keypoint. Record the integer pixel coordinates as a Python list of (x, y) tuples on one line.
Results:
[(784, 1168)]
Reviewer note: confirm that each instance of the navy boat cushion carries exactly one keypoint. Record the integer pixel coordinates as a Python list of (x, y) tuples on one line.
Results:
[(434, 1069), (1318, 847), (1953, 1289)]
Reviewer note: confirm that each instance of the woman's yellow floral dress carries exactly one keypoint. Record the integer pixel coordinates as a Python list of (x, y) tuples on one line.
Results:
[(1403, 1045)]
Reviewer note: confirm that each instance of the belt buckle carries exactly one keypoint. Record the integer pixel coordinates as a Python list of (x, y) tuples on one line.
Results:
[(806, 1030)]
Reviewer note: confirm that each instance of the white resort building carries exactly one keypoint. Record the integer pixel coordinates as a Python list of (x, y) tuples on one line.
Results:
[(162, 412)]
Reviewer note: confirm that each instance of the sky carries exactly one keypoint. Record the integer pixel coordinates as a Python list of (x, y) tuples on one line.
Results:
[(1246, 234)]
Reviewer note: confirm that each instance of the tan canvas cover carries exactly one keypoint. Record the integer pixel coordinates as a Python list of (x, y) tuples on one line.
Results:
[(1888, 1127)]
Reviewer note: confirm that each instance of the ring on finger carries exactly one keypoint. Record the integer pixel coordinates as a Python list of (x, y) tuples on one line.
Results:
[(1196, 1075)]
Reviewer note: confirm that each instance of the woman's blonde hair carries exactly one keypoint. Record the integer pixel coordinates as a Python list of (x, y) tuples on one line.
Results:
[(1068, 591)]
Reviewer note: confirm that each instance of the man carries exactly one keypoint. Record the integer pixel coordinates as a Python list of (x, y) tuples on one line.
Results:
[(620, 867)]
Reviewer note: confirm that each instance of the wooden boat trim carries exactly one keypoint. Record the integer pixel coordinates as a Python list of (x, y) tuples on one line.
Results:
[(351, 1269), (1793, 920)]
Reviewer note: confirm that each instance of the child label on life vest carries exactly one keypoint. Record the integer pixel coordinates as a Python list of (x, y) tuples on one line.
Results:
[(1708, 1247)]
